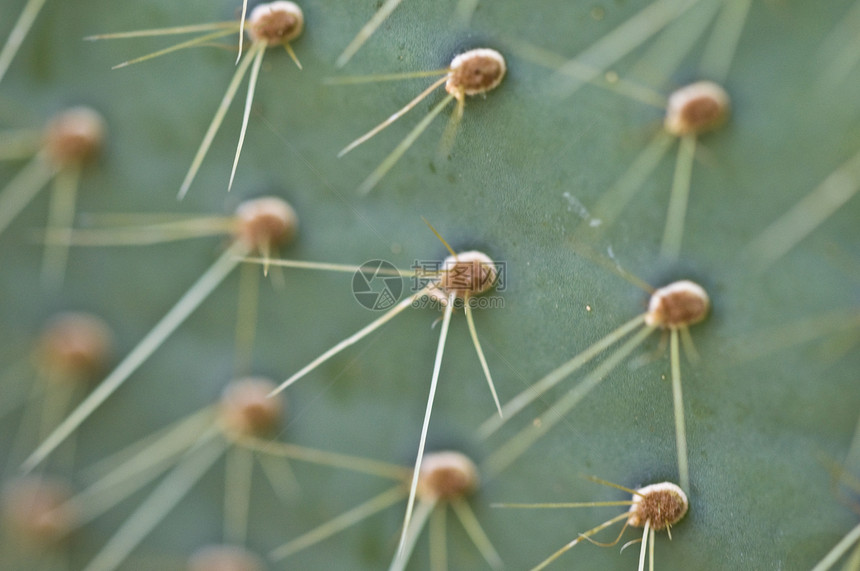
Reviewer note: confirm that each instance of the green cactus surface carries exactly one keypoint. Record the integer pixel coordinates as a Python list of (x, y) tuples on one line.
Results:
[(771, 403)]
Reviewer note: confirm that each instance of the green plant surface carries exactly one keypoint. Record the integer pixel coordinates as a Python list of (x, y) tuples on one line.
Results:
[(759, 430)]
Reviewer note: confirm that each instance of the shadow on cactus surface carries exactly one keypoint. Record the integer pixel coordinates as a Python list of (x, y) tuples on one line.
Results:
[(522, 182)]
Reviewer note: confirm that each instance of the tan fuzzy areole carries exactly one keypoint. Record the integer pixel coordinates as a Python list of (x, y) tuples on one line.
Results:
[(75, 136), (224, 558), (663, 505), (447, 476), (475, 71), (466, 274), (35, 509), (678, 304), (247, 410), (73, 347), (275, 23), (697, 108), (265, 223)]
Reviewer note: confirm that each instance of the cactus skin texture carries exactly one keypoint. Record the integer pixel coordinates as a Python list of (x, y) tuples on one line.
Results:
[(763, 428)]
